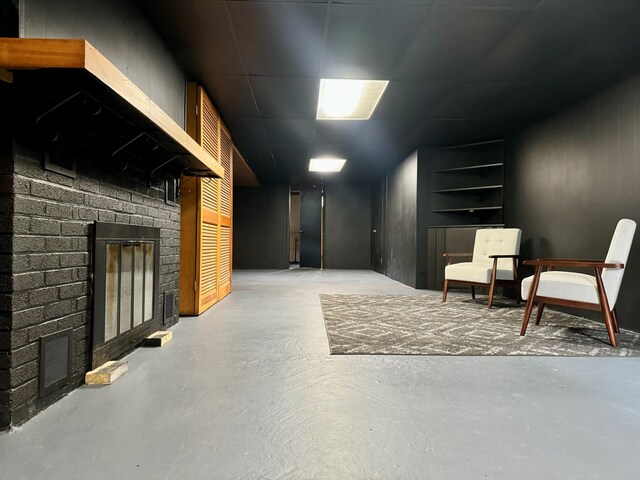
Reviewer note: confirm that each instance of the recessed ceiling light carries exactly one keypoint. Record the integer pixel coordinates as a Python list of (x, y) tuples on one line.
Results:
[(326, 164), (349, 99)]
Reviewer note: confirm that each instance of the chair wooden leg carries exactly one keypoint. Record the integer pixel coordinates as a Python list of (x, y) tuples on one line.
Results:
[(491, 290), (492, 285), (516, 281), (606, 312), (473, 292), (445, 289), (533, 290), (539, 312), (615, 320)]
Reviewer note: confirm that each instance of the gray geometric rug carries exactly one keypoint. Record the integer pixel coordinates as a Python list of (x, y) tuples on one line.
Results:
[(423, 325)]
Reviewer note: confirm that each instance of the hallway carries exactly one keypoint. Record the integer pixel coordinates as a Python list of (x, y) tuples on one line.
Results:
[(248, 390)]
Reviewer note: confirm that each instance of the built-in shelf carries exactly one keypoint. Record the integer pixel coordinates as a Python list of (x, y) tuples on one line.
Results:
[(480, 225), (466, 185), (467, 209), (468, 189), (68, 76), (470, 167)]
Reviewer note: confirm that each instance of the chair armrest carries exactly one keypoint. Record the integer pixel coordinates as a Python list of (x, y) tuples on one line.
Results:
[(457, 254), (505, 256), (566, 262)]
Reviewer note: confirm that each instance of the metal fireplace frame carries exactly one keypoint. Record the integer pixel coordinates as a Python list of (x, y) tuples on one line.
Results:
[(126, 235)]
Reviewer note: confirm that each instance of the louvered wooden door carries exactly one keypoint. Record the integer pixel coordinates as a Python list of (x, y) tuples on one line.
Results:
[(226, 190), (206, 217)]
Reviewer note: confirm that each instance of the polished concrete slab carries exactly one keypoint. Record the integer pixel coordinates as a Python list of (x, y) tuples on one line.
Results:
[(249, 390)]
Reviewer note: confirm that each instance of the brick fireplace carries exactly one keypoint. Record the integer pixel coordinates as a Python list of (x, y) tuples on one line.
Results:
[(47, 223)]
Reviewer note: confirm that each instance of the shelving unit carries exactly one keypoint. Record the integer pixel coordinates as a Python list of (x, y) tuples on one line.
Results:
[(466, 185), (471, 167)]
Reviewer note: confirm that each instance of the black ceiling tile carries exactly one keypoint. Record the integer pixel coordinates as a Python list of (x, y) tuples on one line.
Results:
[(280, 39), (198, 33), (231, 95), (426, 3), (411, 99), (367, 41), (509, 4), (474, 70), (627, 6), (549, 35), (291, 157), (340, 132), (246, 130), (276, 1), (260, 159), (601, 61), (289, 130), (285, 97), (473, 100), (453, 41)]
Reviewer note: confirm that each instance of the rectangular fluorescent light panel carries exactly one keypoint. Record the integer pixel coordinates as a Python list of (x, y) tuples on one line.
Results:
[(349, 99), (326, 164)]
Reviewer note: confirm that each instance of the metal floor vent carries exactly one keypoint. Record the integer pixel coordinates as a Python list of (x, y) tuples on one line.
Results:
[(168, 307), (55, 361)]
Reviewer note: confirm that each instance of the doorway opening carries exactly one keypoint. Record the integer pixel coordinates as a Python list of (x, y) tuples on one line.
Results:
[(310, 226), (294, 229)]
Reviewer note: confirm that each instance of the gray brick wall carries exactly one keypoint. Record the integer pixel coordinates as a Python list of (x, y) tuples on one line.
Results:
[(45, 263)]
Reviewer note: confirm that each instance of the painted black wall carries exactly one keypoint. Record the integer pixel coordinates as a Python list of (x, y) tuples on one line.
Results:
[(120, 31), (400, 243), (572, 177), (347, 226), (261, 227), (9, 23)]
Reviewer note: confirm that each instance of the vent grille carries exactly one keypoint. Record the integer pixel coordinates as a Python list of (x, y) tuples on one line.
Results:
[(169, 304), (55, 361)]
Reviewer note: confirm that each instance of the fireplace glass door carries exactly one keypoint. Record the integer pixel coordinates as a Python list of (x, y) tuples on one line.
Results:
[(125, 288), (129, 279)]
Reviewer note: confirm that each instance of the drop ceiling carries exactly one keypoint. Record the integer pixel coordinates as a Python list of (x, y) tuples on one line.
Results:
[(460, 71)]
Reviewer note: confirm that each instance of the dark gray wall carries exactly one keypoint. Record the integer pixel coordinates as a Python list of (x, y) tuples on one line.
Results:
[(261, 227), (347, 226), (400, 245), (572, 177), (9, 20), (120, 31)]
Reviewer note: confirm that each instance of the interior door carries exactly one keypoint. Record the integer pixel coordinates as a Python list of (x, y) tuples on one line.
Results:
[(310, 227), (377, 228)]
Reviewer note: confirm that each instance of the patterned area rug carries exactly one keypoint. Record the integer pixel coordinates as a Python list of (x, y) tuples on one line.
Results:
[(423, 325)]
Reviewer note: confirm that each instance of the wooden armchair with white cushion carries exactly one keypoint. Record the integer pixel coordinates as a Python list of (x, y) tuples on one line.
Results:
[(494, 262), (572, 289)]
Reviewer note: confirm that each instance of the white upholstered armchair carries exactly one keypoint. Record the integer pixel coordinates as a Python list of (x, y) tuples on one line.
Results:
[(572, 289), (494, 262)]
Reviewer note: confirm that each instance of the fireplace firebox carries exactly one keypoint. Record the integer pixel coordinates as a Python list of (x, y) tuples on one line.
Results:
[(126, 269)]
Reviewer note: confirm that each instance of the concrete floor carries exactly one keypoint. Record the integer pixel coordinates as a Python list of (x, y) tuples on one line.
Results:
[(248, 390)]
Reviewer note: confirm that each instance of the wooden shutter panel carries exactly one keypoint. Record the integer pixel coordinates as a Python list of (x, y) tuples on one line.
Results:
[(226, 191), (211, 254)]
